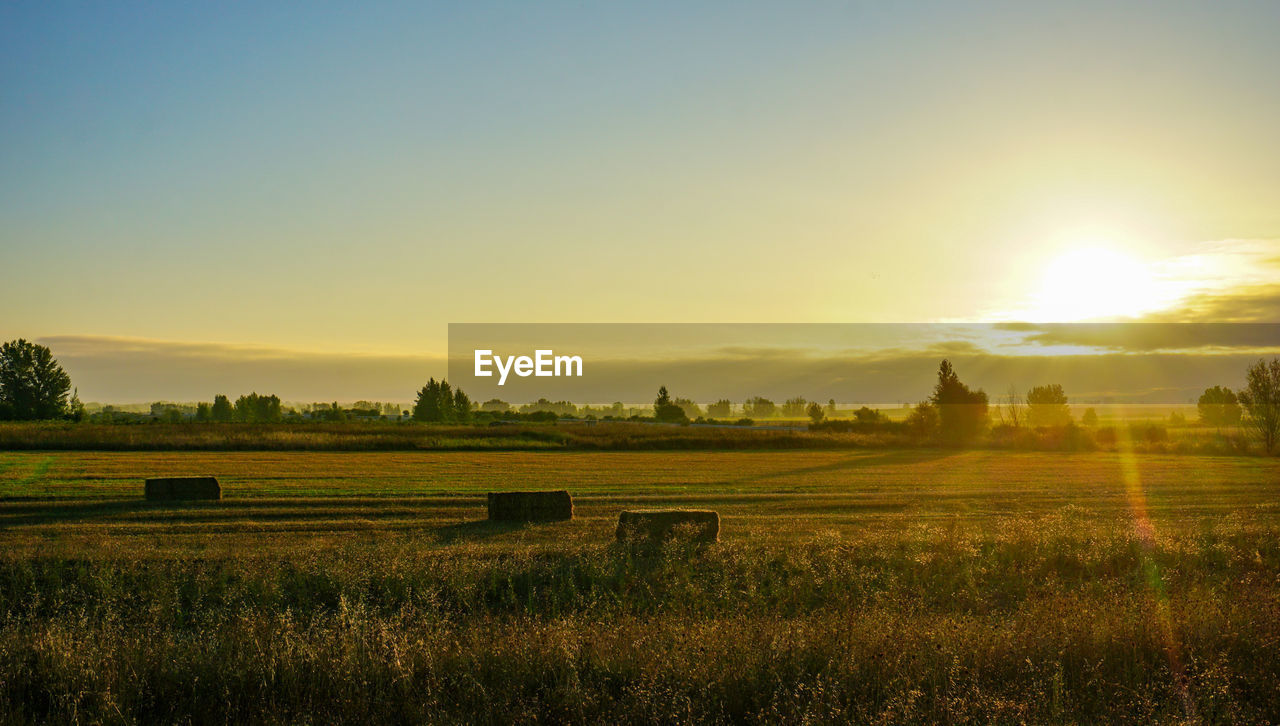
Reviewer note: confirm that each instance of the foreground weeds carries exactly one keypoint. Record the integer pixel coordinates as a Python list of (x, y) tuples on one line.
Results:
[(1058, 618)]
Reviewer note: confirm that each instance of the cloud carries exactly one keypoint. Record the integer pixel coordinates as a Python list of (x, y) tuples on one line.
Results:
[(1229, 281), (1256, 303), (1125, 366), (110, 369), (1152, 336)]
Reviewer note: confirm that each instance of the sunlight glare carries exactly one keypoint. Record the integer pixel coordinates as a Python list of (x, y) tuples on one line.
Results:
[(1094, 281)]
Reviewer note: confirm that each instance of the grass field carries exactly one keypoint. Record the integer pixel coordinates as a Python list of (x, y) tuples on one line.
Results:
[(889, 586)]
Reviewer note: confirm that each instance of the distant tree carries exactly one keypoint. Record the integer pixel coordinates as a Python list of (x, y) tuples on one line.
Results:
[(329, 412), (1012, 410), (269, 408), (1176, 418), (816, 414), (32, 384), (962, 412), (720, 409), (1090, 418), (665, 410), (794, 407), (254, 408), (495, 405), (204, 412), (461, 407), (438, 402), (1047, 406), (435, 403), (1261, 399), (556, 408), (221, 409), (76, 410), (691, 409), (759, 407), (1219, 407), (663, 398), (868, 416), (831, 407)]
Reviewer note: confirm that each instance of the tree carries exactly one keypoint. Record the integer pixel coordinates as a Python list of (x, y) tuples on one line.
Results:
[(204, 412), (793, 407), (758, 407), (435, 403), (962, 412), (663, 398), (816, 414), (329, 412), (720, 409), (923, 420), (1090, 418), (461, 406), (1047, 406), (1013, 407), (438, 402), (1219, 407), (1261, 399), (831, 407), (867, 416), (221, 410), (75, 409), (32, 384), (665, 410), (691, 409), (254, 408)]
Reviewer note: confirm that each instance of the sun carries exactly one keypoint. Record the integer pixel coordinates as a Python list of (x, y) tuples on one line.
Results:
[(1095, 282)]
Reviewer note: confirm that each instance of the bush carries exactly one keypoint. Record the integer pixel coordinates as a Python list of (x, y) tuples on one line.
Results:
[(1151, 433)]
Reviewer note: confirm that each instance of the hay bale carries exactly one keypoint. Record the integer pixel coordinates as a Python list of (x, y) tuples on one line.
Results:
[(530, 506), (656, 525), (171, 488)]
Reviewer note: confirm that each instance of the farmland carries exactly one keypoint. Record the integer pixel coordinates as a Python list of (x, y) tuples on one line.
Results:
[(876, 585)]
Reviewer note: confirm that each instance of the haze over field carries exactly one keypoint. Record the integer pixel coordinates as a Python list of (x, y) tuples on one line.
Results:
[(254, 197)]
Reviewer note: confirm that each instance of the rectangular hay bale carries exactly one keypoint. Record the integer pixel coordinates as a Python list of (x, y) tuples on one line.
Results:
[(530, 506), (699, 525), (172, 488)]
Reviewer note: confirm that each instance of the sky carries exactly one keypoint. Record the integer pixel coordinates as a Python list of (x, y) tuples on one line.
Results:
[(331, 185)]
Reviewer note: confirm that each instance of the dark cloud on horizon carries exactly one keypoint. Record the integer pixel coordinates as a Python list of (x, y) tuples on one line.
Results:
[(1257, 303), (1151, 336), (124, 370), (112, 370)]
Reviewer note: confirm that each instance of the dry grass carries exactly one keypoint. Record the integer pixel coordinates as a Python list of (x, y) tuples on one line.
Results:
[(886, 587)]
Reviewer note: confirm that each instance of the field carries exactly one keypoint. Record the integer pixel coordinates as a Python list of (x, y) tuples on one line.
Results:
[(883, 586)]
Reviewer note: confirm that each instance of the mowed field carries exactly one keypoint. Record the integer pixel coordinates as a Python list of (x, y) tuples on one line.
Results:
[(867, 586), (763, 497)]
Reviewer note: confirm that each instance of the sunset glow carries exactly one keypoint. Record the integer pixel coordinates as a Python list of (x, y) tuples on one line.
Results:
[(1092, 282)]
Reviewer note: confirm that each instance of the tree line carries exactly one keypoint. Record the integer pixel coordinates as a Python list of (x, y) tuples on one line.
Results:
[(34, 386)]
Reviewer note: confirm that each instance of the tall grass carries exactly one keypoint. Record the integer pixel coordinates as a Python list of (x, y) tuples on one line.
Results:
[(1066, 617)]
